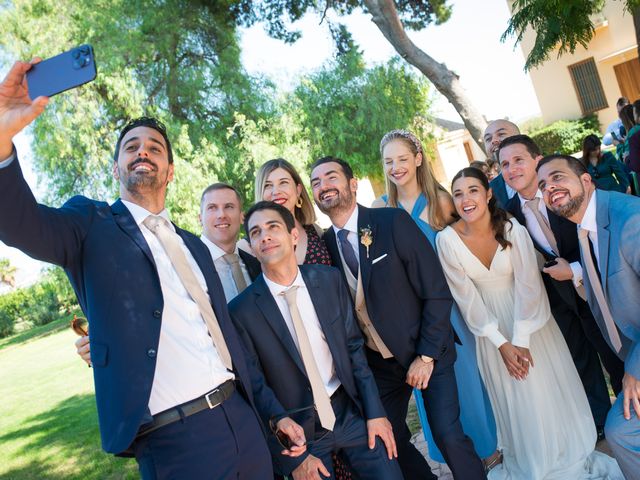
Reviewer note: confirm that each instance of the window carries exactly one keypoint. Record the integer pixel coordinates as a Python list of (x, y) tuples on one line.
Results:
[(588, 86)]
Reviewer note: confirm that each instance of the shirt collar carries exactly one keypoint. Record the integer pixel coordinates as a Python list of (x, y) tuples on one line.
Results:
[(276, 289), (589, 220), (523, 201), (216, 251), (352, 223), (140, 214)]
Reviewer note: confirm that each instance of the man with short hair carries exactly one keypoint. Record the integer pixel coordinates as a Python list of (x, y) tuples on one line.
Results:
[(298, 328), (221, 219), (612, 136), (555, 238), (608, 230), (496, 132), (403, 304), (172, 383)]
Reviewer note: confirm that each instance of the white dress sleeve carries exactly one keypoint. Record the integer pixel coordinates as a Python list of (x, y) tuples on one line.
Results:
[(531, 310), (479, 320)]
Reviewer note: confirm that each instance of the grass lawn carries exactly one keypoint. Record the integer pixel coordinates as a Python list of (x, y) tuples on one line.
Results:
[(48, 419)]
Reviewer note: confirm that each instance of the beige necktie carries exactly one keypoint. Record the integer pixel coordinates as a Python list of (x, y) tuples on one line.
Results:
[(596, 286), (544, 224), (233, 260), (320, 396), (171, 243)]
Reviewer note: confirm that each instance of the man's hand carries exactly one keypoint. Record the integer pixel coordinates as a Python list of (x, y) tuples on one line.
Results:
[(17, 110), (631, 391), (419, 373), (381, 427), (561, 271), (296, 435), (513, 360), (308, 470), (83, 349)]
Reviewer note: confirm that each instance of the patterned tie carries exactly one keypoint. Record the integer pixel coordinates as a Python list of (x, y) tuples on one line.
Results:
[(170, 241), (347, 252), (233, 260), (544, 224), (320, 396), (596, 286)]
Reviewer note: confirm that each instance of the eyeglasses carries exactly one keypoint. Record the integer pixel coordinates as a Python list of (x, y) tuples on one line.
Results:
[(79, 325), (283, 438)]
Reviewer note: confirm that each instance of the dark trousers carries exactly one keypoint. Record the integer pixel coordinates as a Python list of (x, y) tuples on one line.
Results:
[(443, 412), (581, 332), (223, 443), (349, 436)]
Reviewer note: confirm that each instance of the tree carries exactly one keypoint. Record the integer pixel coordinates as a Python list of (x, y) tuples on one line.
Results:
[(7, 273), (563, 25), (179, 61), (392, 18)]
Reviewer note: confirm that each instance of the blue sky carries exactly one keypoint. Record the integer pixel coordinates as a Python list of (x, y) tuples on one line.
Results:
[(469, 43)]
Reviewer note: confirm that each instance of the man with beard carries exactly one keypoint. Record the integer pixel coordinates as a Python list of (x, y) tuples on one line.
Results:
[(556, 239), (403, 305), (171, 380), (608, 232), (495, 132)]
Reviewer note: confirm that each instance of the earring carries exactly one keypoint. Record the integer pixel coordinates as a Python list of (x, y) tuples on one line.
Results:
[(299, 202)]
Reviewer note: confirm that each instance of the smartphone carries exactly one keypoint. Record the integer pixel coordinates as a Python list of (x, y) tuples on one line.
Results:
[(62, 72), (550, 263)]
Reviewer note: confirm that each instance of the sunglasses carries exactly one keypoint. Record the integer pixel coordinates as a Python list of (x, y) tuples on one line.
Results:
[(283, 438), (80, 326)]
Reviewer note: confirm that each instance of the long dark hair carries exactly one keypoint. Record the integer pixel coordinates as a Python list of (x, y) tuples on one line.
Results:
[(589, 144), (626, 115), (499, 218)]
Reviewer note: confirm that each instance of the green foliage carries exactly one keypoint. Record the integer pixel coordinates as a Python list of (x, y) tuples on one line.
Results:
[(566, 136), (37, 304), (557, 24)]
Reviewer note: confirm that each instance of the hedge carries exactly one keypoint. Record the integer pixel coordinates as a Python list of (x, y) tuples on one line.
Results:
[(566, 136)]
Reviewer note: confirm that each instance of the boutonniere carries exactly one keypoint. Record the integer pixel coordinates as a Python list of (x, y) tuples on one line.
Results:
[(366, 238)]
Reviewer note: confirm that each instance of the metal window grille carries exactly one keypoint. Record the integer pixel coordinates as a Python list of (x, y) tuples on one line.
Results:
[(588, 86)]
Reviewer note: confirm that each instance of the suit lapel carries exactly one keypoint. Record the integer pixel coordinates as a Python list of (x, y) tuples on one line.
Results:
[(557, 226), (321, 307), (253, 266), (331, 242), (271, 313), (364, 221), (126, 222), (602, 220)]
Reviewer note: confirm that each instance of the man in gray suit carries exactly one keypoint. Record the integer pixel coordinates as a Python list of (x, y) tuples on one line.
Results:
[(608, 231)]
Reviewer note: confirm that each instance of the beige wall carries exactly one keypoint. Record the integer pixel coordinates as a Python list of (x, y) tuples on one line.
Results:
[(552, 82), (452, 156)]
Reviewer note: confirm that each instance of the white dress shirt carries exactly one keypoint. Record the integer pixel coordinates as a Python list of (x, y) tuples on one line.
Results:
[(590, 224), (187, 362), (535, 231), (225, 272), (352, 237), (321, 351)]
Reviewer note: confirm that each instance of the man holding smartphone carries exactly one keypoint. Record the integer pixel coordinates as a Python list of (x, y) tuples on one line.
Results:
[(172, 384)]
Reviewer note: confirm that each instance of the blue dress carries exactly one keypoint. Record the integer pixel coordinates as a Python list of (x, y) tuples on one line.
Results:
[(476, 414)]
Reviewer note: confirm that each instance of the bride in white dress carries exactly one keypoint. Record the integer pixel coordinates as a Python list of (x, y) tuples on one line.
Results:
[(545, 427)]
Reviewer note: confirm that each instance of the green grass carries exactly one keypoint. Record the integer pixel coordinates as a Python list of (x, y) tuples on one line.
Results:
[(48, 419)]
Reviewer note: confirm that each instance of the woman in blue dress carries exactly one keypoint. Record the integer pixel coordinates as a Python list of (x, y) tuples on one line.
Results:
[(412, 186)]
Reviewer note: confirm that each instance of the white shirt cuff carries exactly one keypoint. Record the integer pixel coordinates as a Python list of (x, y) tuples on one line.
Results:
[(494, 336), (7, 161), (577, 273), (521, 340)]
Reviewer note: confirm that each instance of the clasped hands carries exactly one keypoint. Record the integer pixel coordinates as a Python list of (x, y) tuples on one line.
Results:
[(516, 359)]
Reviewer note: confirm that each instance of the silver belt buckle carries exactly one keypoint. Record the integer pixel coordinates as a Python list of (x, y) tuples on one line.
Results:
[(208, 399)]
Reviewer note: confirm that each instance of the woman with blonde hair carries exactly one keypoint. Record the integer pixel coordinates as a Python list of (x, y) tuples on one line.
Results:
[(411, 185), (278, 181)]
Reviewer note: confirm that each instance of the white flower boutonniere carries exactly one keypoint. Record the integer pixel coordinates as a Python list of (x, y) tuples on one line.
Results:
[(366, 238)]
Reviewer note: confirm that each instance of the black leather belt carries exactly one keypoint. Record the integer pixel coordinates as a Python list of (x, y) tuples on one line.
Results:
[(208, 401)]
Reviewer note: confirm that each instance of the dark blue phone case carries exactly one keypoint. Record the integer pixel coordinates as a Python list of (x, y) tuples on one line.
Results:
[(62, 72)]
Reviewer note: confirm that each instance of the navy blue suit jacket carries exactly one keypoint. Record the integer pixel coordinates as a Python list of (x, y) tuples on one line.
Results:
[(406, 293), (271, 347), (499, 188), (112, 271)]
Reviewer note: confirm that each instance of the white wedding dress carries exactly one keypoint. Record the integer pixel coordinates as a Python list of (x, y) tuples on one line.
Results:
[(545, 427)]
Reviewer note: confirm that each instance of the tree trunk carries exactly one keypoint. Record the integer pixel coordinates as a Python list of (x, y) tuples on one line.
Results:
[(385, 16)]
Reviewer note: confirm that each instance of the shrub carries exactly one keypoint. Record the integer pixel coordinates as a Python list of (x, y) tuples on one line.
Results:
[(566, 136)]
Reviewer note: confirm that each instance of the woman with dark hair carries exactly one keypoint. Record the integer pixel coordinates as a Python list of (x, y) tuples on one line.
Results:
[(633, 140), (544, 423), (607, 172), (628, 122), (411, 185)]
